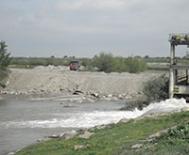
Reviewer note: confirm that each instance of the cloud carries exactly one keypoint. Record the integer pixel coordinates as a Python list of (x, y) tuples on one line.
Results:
[(124, 27), (74, 5)]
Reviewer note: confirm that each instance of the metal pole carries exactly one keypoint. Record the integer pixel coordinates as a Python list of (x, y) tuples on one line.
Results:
[(171, 73), (186, 76)]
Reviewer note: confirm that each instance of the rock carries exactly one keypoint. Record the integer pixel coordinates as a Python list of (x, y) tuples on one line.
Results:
[(11, 153), (42, 90), (77, 92), (69, 135), (61, 135), (103, 96), (124, 120), (61, 89), (78, 147), (120, 97), (86, 135), (185, 109), (103, 126), (140, 93), (149, 140), (137, 146), (107, 99), (158, 134), (54, 136), (95, 95)]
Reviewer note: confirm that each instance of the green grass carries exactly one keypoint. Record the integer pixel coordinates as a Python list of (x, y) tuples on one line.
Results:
[(175, 141), (111, 141)]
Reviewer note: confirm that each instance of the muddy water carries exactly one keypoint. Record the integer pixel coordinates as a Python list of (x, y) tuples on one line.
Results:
[(23, 121)]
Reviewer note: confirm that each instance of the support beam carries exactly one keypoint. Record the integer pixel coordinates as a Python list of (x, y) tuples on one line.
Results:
[(187, 77), (171, 72)]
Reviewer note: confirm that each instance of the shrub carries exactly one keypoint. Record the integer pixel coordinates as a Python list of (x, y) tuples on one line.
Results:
[(135, 65), (109, 63), (119, 64), (157, 89), (104, 62)]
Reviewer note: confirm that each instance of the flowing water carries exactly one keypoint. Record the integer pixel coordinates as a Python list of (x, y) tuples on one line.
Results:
[(23, 121)]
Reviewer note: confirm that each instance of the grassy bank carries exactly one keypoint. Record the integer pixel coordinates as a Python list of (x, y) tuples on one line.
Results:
[(115, 140)]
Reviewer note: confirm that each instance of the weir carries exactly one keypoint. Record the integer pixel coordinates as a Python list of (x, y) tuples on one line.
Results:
[(178, 74)]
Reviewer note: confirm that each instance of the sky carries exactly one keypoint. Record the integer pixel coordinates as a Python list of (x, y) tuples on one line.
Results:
[(83, 28)]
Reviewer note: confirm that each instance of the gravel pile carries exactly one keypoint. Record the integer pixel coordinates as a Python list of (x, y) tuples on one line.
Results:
[(56, 80)]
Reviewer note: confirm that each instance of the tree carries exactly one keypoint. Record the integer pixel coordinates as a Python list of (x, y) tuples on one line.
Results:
[(4, 62), (4, 56)]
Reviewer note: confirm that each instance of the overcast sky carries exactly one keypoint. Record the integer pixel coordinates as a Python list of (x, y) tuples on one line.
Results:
[(87, 27)]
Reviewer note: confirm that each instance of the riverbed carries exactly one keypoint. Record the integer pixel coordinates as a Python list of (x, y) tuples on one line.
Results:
[(24, 120)]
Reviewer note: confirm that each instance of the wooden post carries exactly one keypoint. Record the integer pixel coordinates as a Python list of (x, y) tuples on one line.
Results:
[(171, 73)]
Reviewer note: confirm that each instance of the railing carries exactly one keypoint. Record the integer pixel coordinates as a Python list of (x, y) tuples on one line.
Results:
[(182, 78), (179, 39)]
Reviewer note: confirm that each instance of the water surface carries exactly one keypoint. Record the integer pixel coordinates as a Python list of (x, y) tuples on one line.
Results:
[(23, 121)]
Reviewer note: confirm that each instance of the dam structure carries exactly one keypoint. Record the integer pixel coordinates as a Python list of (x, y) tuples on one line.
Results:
[(178, 72)]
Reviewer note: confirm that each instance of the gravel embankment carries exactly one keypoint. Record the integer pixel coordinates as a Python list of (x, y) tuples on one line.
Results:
[(59, 80)]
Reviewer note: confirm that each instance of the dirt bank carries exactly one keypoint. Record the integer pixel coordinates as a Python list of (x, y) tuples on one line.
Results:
[(59, 80)]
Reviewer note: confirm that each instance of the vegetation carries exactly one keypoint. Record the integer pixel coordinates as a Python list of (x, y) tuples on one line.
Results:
[(181, 132), (116, 64), (34, 61), (102, 62), (175, 141), (117, 139), (157, 89), (109, 63), (4, 62), (4, 56)]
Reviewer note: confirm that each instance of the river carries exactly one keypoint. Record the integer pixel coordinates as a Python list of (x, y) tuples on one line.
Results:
[(23, 121)]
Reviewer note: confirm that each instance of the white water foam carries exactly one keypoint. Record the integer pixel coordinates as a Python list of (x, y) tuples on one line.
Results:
[(91, 119)]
